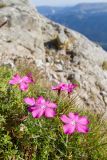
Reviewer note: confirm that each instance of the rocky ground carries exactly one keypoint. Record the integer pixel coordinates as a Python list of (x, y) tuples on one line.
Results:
[(63, 54)]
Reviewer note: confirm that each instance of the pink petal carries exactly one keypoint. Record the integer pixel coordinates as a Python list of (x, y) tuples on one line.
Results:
[(71, 87), (70, 90), (59, 86), (51, 105), (74, 116), (15, 80), (74, 85), (37, 113), (26, 79), (83, 120), (82, 128), (69, 129), (65, 119), (54, 88), (40, 101), (63, 87), (29, 101), (12, 82), (23, 86), (49, 113), (31, 108), (30, 77)]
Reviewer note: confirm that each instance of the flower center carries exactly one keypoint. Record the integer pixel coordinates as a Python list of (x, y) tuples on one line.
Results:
[(43, 106), (21, 81), (73, 122)]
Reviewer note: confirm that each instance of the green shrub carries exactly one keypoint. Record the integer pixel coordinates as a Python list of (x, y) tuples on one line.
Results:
[(104, 65), (2, 5), (25, 138)]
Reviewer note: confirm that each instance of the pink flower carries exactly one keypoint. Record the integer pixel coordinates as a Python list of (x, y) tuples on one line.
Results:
[(70, 87), (65, 87), (23, 82), (41, 107), (60, 87), (75, 123)]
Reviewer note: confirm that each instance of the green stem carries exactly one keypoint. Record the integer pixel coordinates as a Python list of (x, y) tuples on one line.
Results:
[(66, 140)]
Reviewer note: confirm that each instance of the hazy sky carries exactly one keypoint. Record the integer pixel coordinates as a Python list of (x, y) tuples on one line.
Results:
[(62, 2)]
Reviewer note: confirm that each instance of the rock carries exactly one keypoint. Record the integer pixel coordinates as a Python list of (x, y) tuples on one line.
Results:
[(22, 37), (104, 65), (3, 21), (59, 68), (62, 38)]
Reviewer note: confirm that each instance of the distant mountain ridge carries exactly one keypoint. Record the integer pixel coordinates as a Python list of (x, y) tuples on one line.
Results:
[(99, 7), (96, 7), (88, 18)]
